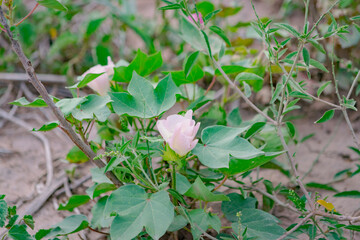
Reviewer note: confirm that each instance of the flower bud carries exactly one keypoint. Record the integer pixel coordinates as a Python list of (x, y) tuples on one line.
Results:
[(179, 132), (196, 17), (101, 84)]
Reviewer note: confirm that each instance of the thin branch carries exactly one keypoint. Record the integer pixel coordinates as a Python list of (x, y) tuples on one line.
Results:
[(294, 170), (338, 217), (356, 139), (66, 126), (221, 183), (28, 15), (204, 232), (357, 78), (242, 95), (296, 226)]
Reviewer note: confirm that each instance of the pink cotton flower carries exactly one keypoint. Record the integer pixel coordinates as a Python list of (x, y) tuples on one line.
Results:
[(179, 132), (101, 84), (196, 18)]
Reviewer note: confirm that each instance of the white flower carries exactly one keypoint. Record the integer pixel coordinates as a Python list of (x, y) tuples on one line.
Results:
[(101, 84), (179, 132)]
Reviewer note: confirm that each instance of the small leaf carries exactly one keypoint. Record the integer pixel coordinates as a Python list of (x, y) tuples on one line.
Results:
[(353, 227), (247, 90), (318, 65), (207, 43), (3, 212), (289, 29), (190, 63), (54, 4), (328, 205), (355, 18), (208, 17), (220, 33), (327, 116), (321, 186), (306, 56), (74, 202), (23, 102), (317, 45), (255, 128), (322, 88), (171, 7), (47, 127), (349, 194), (28, 220), (93, 26), (75, 155), (252, 79), (291, 129)]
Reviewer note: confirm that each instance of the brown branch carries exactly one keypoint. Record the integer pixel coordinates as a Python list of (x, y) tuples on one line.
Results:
[(66, 126), (94, 230), (28, 15), (221, 183), (296, 226), (211, 85), (350, 219)]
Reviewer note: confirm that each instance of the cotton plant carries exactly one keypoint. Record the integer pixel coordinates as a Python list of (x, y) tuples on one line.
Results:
[(157, 175)]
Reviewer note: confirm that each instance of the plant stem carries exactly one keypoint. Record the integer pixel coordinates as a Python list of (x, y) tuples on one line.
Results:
[(357, 78), (43, 92), (221, 183), (173, 181), (28, 15), (296, 226)]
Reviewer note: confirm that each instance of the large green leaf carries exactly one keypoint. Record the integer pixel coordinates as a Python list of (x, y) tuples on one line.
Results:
[(259, 225), (69, 225), (219, 142), (136, 209), (142, 64), (198, 190), (236, 204), (99, 220), (204, 221), (143, 100), (242, 165), (18, 232)]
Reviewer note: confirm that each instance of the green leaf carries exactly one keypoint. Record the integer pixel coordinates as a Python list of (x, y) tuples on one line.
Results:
[(220, 33), (75, 155), (207, 43), (190, 63), (178, 223), (171, 7), (71, 224), (252, 79), (196, 73), (236, 204), (306, 56), (210, 15), (93, 26), (54, 4), (204, 221), (255, 128), (67, 105), (318, 65), (93, 106), (353, 227), (99, 188), (143, 100), (322, 88), (182, 184), (47, 127), (23, 102), (289, 29), (74, 202), (99, 220), (18, 232), (317, 45), (243, 165), (327, 116), (291, 128), (3, 212), (198, 190), (29, 221), (259, 225), (349, 103), (234, 118), (349, 194), (83, 81), (136, 209), (355, 18), (142, 64), (321, 186), (219, 142)]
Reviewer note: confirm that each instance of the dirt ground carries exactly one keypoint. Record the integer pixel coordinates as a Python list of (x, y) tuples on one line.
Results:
[(23, 167)]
